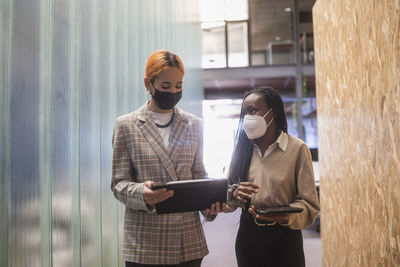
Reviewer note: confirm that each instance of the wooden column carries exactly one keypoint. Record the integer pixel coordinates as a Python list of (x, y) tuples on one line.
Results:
[(357, 49)]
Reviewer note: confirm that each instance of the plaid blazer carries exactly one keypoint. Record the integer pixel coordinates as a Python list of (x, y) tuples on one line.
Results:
[(139, 155)]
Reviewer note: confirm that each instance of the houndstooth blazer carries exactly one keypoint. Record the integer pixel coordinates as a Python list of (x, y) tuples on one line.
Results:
[(139, 155)]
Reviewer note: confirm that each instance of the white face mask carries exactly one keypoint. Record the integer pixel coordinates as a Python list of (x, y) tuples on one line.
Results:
[(255, 126)]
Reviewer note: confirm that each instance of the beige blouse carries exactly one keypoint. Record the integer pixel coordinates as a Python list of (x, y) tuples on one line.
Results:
[(286, 177)]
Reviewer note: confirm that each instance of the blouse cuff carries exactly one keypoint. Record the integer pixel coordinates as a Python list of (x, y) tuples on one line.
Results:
[(135, 197), (291, 220)]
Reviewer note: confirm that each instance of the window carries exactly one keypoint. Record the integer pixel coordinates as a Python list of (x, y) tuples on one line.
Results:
[(224, 32), (272, 32), (213, 43), (238, 52)]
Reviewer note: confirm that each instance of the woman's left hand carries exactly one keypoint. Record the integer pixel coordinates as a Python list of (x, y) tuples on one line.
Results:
[(216, 208), (282, 218)]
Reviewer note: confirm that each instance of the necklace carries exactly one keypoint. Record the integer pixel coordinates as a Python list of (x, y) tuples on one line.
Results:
[(169, 123)]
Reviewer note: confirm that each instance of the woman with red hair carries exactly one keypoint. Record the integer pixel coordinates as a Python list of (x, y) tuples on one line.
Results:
[(159, 143)]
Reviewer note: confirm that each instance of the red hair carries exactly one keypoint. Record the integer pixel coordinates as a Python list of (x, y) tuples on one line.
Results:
[(162, 60)]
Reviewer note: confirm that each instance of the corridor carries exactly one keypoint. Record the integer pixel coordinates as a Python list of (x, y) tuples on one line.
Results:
[(221, 234)]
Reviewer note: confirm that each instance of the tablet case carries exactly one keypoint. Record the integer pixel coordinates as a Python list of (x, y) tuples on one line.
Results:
[(192, 195), (278, 210)]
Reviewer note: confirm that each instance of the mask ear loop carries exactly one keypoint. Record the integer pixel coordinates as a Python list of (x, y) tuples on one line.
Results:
[(152, 88), (267, 113), (270, 122)]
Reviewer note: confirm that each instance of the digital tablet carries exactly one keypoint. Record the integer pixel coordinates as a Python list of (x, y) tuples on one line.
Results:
[(192, 195), (278, 210)]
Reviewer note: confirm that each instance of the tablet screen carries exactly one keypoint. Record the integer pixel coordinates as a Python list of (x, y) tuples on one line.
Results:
[(192, 195)]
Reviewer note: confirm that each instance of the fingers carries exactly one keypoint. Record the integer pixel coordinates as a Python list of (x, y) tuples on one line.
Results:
[(252, 211), (225, 208), (243, 197), (249, 185), (163, 196), (279, 218), (244, 191), (155, 196), (276, 218), (216, 208), (149, 184), (248, 188)]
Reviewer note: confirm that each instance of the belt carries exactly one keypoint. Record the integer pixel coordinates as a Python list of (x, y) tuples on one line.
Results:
[(247, 218)]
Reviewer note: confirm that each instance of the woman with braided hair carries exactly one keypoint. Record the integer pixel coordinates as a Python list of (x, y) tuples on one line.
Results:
[(270, 168)]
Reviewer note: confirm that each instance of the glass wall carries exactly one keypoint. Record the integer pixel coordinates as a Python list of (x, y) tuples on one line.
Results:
[(68, 68), (4, 133)]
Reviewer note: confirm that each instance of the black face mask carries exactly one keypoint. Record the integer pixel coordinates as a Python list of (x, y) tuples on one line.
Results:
[(166, 100)]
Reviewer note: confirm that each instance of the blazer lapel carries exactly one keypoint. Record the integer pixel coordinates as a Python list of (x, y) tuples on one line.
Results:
[(177, 136), (150, 132)]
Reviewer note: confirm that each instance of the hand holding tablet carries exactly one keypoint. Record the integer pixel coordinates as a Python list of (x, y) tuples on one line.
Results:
[(277, 210), (272, 215), (192, 195)]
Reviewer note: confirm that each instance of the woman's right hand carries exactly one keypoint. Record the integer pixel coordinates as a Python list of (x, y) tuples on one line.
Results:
[(244, 191), (155, 196)]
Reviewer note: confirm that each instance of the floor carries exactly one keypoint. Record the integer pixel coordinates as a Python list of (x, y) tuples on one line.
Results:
[(221, 234)]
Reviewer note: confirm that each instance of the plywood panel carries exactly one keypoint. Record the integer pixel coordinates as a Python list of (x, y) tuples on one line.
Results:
[(358, 93)]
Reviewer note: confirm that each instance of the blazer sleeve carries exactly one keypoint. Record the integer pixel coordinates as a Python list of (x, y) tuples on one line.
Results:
[(125, 189), (307, 197)]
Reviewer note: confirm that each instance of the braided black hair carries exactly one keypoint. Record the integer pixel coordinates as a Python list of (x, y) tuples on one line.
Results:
[(241, 158)]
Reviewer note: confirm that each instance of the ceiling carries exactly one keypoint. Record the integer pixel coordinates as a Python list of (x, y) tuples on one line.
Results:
[(235, 82)]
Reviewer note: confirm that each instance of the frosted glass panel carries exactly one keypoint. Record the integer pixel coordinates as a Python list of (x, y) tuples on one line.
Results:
[(68, 68), (4, 133)]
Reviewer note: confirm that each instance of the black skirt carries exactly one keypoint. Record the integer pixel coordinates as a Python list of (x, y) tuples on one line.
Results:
[(268, 246)]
